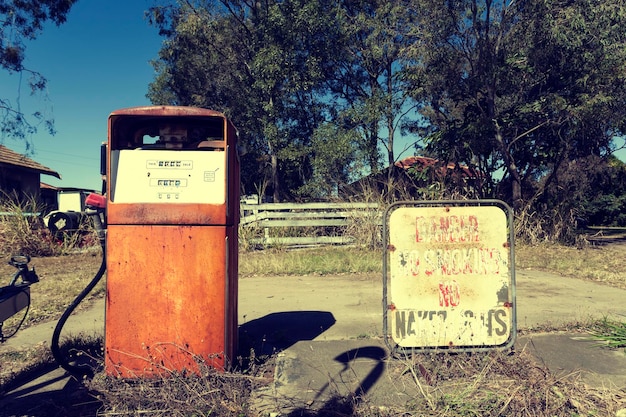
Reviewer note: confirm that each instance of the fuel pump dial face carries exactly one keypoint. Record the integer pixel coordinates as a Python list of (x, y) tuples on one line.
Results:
[(155, 176)]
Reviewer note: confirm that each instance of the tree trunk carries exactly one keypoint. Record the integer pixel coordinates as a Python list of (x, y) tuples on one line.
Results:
[(390, 117), (511, 167), (275, 179)]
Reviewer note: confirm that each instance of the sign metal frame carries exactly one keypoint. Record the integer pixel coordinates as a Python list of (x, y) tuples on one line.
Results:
[(449, 276)]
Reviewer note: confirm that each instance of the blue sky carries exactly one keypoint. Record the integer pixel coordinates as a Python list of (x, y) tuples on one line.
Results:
[(96, 62)]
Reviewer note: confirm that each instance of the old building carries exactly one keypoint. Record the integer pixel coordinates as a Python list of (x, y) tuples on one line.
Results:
[(417, 177), (20, 176)]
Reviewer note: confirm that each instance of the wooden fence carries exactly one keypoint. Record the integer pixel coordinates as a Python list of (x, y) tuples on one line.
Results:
[(303, 224)]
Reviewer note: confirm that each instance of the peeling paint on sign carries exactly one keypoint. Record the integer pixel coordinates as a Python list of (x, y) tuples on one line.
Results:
[(450, 277)]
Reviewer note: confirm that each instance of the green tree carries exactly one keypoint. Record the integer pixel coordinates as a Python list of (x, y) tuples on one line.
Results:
[(22, 21), (366, 73), (335, 153), (519, 87), (283, 69), (513, 89), (596, 190), (260, 63)]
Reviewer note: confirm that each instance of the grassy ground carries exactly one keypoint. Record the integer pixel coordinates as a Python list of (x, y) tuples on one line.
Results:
[(454, 386), (602, 263)]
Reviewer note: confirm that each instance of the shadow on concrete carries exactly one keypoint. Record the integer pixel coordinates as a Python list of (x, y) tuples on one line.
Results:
[(45, 389), (277, 331), (375, 353), (33, 393), (346, 405)]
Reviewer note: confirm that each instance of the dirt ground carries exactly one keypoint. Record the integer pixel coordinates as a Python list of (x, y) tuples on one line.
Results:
[(81, 264), (63, 277)]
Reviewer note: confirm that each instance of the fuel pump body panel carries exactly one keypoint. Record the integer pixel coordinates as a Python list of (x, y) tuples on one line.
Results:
[(170, 299), (187, 213)]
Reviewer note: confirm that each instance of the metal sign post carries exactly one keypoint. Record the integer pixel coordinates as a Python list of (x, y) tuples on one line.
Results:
[(449, 276)]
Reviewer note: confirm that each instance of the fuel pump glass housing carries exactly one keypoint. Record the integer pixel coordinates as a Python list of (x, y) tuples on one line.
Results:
[(173, 213)]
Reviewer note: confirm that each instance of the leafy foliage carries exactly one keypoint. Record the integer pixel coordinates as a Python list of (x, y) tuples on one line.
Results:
[(259, 63), (21, 21), (520, 86), (612, 332)]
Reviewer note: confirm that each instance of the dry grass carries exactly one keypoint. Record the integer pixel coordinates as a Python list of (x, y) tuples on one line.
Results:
[(453, 385), (601, 263), (22, 231), (61, 278), (500, 384), (176, 394), (17, 362), (312, 261)]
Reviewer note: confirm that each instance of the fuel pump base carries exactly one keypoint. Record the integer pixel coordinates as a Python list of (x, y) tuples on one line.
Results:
[(167, 302)]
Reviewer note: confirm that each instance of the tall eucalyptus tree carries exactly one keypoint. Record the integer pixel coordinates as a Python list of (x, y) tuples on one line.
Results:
[(366, 76), (259, 62)]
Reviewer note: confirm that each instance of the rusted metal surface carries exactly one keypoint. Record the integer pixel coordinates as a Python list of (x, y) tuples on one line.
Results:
[(160, 111), (170, 298), (450, 276), (172, 213), (203, 214)]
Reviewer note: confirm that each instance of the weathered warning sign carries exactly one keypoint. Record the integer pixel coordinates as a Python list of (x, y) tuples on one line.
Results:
[(449, 275)]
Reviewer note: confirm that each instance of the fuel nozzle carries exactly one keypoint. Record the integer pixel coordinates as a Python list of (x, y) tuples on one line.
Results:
[(95, 205), (96, 202), (29, 276)]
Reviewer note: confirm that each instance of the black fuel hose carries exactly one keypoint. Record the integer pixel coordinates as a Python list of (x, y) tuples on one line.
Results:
[(79, 371)]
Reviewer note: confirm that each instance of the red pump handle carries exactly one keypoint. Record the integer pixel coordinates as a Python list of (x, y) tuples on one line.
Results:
[(96, 201)]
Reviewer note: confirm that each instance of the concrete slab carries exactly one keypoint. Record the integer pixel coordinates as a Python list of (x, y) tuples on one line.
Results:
[(567, 353), (310, 374), (549, 300), (48, 391)]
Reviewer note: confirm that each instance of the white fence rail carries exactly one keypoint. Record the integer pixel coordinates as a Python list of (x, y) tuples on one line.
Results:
[(313, 218)]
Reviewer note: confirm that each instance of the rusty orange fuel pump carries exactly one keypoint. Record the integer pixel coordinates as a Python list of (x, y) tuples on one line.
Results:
[(171, 255)]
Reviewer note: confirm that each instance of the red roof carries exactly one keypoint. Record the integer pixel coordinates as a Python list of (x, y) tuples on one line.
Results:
[(45, 186), (8, 157), (424, 161)]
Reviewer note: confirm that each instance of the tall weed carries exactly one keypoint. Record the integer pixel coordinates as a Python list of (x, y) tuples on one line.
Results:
[(552, 226), (23, 230)]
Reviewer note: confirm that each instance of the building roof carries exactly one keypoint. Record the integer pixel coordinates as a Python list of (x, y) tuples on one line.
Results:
[(8, 157), (421, 162), (45, 186)]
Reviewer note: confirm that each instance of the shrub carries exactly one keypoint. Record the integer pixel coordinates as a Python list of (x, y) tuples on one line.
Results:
[(23, 230)]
